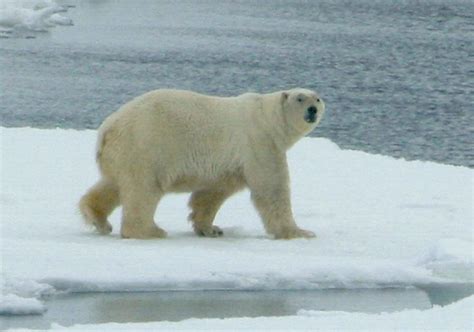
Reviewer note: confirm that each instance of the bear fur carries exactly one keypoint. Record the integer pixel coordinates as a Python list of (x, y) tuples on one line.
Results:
[(180, 141)]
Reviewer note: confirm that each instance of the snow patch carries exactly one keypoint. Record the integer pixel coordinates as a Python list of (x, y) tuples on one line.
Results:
[(58, 19), (22, 297), (26, 288), (22, 18), (12, 304), (450, 258)]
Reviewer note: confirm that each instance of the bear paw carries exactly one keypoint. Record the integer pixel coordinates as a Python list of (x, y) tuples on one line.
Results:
[(294, 233), (103, 228), (212, 231), (149, 233)]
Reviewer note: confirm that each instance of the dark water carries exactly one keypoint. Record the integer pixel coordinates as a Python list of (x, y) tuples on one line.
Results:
[(397, 76)]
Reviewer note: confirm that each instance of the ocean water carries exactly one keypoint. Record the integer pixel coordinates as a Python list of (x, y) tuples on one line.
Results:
[(397, 76)]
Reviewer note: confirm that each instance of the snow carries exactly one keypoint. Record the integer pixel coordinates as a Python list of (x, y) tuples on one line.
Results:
[(450, 258), (31, 16), (15, 305), (380, 222), (22, 297), (454, 317)]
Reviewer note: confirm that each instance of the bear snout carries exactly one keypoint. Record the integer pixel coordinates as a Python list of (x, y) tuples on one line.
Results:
[(311, 114)]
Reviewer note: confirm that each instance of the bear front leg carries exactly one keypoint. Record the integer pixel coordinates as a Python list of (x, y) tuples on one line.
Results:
[(204, 205), (275, 210), (270, 192)]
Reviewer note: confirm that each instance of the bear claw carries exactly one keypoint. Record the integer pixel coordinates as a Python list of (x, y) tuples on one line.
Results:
[(103, 229), (150, 233), (213, 231)]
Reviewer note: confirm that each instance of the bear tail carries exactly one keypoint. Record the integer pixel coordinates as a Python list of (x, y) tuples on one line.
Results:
[(100, 144)]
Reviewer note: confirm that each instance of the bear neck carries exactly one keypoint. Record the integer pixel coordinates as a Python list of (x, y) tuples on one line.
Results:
[(283, 134)]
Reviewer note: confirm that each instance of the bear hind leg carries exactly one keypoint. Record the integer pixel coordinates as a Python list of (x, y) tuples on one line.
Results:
[(98, 203), (139, 205)]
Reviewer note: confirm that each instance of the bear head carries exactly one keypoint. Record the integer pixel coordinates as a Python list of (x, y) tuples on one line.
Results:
[(302, 109)]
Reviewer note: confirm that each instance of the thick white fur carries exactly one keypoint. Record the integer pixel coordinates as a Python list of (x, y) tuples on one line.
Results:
[(180, 141)]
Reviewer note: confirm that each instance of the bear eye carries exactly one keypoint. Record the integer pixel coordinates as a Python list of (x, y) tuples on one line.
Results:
[(300, 98)]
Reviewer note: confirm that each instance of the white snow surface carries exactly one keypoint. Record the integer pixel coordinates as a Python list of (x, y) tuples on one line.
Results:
[(380, 222), (16, 305), (22, 296), (33, 15)]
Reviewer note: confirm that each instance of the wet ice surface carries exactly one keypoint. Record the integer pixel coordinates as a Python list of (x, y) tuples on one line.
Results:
[(396, 76)]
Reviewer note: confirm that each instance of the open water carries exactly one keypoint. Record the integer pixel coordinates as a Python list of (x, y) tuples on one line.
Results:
[(97, 308), (397, 76)]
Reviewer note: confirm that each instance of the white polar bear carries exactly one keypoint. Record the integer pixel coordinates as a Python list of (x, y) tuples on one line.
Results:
[(180, 141)]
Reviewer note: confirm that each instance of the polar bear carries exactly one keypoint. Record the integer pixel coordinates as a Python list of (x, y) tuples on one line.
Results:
[(180, 141)]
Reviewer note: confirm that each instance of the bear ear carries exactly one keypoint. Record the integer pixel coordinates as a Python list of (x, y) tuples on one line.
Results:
[(284, 96)]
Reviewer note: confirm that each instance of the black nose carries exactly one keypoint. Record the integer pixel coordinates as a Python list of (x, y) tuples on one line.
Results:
[(312, 110)]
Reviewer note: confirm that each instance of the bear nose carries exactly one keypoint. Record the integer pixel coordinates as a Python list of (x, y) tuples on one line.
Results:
[(312, 110)]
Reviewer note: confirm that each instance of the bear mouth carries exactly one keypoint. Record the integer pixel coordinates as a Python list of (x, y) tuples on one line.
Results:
[(310, 118), (310, 115)]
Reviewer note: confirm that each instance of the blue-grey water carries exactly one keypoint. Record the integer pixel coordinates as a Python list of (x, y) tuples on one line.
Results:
[(397, 76), (95, 308)]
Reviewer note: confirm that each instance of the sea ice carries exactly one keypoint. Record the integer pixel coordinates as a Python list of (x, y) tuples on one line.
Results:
[(380, 222)]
